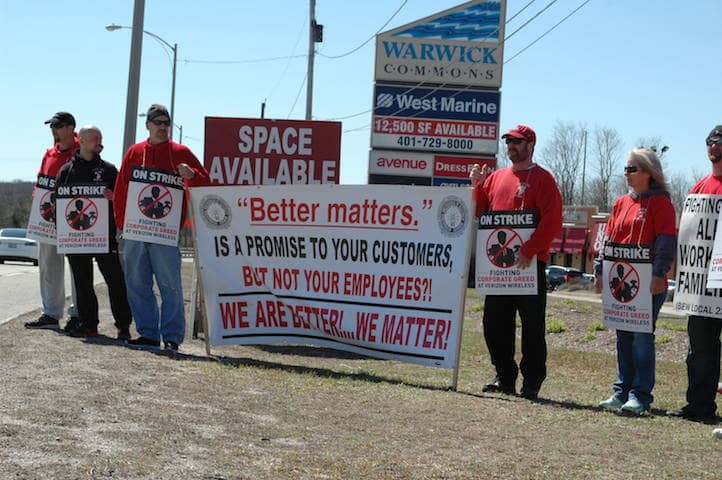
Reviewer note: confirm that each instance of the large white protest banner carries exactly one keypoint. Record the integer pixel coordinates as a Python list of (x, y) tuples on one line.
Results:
[(697, 227), (378, 270), (626, 276)]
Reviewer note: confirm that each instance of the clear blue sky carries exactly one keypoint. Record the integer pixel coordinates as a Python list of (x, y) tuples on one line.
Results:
[(644, 68)]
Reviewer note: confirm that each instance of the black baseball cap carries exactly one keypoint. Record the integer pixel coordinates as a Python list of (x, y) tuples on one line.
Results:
[(716, 134), (156, 110), (63, 118)]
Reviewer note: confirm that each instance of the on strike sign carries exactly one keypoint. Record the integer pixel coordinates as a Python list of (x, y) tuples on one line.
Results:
[(248, 151), (626, 276), (377, 270), (83, 226), (154, 206), (41, 224)]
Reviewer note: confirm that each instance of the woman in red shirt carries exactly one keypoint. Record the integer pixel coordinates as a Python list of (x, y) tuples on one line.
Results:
[(644, 216)]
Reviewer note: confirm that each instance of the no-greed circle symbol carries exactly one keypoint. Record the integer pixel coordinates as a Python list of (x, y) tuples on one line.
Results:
[(623, 282), (81, 213), (503, 246), (47, 206), (155, 201)]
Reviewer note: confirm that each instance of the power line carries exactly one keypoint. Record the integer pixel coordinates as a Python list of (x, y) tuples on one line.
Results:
[(545, 33), (531, 19), (370, 38), (255, 60), (305, 77), (288, 63)]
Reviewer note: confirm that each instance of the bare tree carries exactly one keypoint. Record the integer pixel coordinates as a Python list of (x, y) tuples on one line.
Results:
[(607, 152), (655, 144), (563, 155)]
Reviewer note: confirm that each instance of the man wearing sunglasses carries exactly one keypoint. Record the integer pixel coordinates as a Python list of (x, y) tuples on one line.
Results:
[(144, 260), (523, 186), (703, 356), (51, 264)]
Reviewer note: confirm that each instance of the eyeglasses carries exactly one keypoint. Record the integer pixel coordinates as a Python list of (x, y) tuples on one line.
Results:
[(711, 142), (58, 125), (515, 141), (631, 169), (158, 123)]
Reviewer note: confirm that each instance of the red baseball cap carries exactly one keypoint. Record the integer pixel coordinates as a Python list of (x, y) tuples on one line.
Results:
[(523, 132)]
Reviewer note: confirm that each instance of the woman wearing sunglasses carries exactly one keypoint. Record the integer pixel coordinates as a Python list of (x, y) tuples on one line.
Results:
[(642, 219)]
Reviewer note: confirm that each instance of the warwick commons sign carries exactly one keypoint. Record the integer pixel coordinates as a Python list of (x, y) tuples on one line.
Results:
[(459, 46)]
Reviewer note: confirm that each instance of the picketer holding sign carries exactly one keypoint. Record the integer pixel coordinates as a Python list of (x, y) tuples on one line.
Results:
[(525, 186)]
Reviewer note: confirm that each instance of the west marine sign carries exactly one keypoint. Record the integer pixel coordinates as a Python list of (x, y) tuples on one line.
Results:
[(459, 46)]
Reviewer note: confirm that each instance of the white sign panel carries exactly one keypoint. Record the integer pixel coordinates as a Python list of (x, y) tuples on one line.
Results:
[(697, 227), (626, 277), (459, 46), (372, 269), (41, 224), (154, 207), (498, 244), (83, 226)]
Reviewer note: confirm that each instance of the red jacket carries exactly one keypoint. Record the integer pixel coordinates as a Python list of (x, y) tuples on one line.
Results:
[(54, 159), (163, 156), (534, 188)]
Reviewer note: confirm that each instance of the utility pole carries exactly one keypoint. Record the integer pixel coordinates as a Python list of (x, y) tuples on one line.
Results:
[(136, 47), (584, 166), (311, 53)]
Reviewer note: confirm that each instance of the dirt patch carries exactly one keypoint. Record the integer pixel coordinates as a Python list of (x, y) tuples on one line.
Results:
[(97, 409)]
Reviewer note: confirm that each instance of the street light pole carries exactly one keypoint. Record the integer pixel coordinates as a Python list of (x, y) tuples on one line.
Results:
[(136, 49), (174, 48)]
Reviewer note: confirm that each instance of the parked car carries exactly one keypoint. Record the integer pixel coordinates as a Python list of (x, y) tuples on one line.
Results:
[(14, 245), (558, 275), (671, 287)]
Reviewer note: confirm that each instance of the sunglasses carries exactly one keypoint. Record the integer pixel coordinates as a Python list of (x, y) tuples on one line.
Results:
[(631, 169), (58, 125), (158, 123), (711, 142), (515, 141)]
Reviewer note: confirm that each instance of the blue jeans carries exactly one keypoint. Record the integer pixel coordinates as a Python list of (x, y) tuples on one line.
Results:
[(141, 262), (636, 360)]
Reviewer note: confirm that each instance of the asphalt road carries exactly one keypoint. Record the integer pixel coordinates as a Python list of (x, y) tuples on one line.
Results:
[(20, 288)]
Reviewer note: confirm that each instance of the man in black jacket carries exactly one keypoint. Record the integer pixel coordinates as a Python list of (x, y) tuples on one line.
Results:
[(86, 167)]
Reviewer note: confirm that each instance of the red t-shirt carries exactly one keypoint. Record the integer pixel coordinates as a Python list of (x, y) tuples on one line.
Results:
[(534, 188), (54, 159), (709, 185)]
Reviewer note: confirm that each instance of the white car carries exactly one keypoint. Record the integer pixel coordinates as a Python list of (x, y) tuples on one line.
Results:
[(14, 245)]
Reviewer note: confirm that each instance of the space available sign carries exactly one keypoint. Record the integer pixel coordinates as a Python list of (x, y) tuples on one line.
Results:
[(459, 46), (442, 169), (464, 121), (250, 151)]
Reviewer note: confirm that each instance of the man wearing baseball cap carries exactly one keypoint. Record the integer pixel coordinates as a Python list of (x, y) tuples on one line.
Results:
[(145, 260), (703, 355), (522, 186), (51, 264)]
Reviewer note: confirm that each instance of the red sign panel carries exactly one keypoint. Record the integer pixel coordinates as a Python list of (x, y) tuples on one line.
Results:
[(252, 151), (459, 167)]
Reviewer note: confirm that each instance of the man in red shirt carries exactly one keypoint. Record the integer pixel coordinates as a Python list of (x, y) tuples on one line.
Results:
[(144, 260), (51, 264), (523, 186), (703, 357)]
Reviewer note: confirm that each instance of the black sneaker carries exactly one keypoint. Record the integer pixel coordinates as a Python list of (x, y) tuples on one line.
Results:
[(144, 342), (72, 324), (498, 387), (44, 321), (171, 346), (84, 330), (690, 413), (123, 334), (529, 393)]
